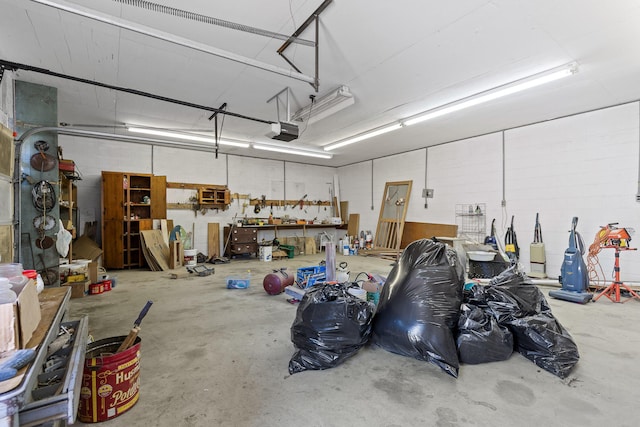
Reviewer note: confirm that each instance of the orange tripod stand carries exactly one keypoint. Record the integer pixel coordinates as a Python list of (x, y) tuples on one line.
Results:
[(613, 290)]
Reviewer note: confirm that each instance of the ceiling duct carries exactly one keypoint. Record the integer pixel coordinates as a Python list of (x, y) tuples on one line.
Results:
[(323, 107)]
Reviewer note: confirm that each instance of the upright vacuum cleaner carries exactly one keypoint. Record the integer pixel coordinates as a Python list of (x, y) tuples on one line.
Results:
[(573, 273), (491, 239), (511, 244), (537, 256)]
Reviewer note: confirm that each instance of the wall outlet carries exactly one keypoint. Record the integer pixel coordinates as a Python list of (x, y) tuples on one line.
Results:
[(427, 193)]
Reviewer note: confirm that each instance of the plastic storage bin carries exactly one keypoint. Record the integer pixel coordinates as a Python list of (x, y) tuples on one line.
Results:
[(237, 282)]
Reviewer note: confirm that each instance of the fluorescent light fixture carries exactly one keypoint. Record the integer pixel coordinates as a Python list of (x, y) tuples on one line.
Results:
[(495, 93), (187, 136), (323, 107), (287, 150), (363, 136)]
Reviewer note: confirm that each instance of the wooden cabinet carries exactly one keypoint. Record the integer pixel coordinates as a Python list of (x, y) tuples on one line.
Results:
[(243, 240), (219, 197), (130, 203)]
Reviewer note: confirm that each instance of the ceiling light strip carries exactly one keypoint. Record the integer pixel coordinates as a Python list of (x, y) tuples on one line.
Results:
[(287, 150), (323, 107), (495, 93), (366, 135), (187, 136)]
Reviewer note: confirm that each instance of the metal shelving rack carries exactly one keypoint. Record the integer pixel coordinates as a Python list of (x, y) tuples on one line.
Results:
[(471, 220)]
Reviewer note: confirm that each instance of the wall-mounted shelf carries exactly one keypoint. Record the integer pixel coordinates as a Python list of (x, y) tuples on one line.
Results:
[(471, 221)]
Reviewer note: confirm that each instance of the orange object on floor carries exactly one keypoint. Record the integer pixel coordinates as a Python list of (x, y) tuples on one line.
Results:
[(613, 290)]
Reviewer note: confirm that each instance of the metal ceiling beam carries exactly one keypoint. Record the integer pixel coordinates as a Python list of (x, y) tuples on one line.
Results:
[(172, 38), (16, 66), (312, 18), (198, 17)]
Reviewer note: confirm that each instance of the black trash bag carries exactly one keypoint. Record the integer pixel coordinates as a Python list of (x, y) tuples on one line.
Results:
[(480, 339), (510, 276), (511, 295), (543, 340), (330, 326), (420, 305), (520, 306)]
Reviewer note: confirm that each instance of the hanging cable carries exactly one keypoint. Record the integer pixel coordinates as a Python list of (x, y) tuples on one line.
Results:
[(596, 273)]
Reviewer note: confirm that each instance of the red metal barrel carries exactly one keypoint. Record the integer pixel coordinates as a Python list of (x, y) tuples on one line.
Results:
[(274, 283)]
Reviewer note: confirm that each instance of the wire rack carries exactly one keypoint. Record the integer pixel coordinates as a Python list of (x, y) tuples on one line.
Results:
[(471, 220)]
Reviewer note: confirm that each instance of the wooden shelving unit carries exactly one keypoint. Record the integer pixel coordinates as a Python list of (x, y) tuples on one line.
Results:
[(68, 199), (130, 203)]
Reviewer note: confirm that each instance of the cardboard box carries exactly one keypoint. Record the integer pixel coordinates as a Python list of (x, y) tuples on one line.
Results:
[(85, 248), (78, 289), (93, 272), (20, 319)]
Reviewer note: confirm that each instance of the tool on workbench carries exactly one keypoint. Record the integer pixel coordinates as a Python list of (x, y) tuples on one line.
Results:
[(128, 341)]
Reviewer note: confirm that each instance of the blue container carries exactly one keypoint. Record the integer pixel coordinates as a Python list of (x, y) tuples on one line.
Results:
[(308, 276), (237, 283)]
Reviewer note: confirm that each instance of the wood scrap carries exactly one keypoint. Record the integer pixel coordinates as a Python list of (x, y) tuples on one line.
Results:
[(156, 252)]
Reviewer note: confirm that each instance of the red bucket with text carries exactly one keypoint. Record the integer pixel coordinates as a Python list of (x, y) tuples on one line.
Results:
[(110, 380)]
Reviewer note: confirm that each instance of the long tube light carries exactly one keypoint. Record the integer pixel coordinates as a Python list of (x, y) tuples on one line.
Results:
[(495, 93), (297, 152), (363, 136), (335, 101), (187, 136)]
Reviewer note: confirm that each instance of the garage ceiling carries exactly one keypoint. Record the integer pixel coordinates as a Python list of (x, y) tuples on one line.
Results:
[(397, 59)]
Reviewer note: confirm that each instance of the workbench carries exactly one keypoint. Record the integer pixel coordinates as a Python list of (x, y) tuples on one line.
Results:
[(246, 246), (22, 401)]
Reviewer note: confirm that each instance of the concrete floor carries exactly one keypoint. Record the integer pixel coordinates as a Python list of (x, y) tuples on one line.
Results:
[(218, 357)]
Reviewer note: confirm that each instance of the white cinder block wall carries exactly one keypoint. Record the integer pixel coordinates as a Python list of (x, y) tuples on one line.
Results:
[(585, 165), (244, 175)]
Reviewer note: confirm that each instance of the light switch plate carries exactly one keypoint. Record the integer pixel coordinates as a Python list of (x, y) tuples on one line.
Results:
[(427, 193)]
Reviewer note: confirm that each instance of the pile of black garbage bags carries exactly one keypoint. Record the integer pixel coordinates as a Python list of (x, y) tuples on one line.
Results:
[(425, 312)]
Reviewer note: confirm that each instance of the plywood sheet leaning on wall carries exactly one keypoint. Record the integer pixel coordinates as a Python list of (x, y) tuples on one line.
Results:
[(213, 239), (156, 252), (353, 227)]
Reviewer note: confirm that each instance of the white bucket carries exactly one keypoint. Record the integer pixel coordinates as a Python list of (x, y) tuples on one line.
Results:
[(190, 256), (358, 292), (266, 253)]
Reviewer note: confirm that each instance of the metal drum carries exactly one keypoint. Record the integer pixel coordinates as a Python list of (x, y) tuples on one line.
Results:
[(274, 283)]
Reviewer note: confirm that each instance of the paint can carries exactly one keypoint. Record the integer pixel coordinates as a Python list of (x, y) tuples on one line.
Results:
[(110, 380), (190, 256)]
